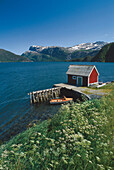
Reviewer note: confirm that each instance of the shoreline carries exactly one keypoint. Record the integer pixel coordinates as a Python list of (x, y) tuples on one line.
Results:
[(30, 120)]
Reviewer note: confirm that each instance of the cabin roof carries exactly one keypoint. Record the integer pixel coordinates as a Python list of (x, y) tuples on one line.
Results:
[(81, 70)]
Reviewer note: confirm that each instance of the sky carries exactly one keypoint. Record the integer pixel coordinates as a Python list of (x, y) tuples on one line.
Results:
[(54, 23)]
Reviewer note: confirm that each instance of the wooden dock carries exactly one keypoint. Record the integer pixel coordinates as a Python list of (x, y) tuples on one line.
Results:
[(44, 95), (58, 90)]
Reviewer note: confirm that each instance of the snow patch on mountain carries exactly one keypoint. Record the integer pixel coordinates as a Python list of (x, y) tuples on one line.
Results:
[(38, 48), (88, 46), (96, 46)]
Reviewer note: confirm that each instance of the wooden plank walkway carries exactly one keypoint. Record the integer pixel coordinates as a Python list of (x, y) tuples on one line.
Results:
[(91, 92), (70, 87)]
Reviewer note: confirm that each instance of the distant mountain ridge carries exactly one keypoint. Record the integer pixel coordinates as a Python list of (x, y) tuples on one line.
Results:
[(97, 52), (84, 46), (56, 53), (7, 56)]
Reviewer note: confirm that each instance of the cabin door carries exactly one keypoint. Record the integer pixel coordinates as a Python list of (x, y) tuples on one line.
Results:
[(79, 81)]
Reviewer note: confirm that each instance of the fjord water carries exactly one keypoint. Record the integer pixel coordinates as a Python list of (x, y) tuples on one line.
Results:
[(18, 79)]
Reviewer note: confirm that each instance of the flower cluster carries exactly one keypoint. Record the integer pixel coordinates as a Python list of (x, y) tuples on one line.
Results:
[(75, 138)]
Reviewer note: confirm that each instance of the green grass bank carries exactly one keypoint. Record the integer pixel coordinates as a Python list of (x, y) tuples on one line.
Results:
[(78, 137)]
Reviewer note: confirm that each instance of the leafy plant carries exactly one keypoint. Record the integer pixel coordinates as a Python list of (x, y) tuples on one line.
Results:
[(78, 137)]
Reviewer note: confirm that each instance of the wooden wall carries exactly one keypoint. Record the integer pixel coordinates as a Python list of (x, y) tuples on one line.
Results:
[(74, 82), (93, 76)]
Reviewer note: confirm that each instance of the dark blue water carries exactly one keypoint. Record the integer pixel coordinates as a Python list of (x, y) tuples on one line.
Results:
[(18, 79)]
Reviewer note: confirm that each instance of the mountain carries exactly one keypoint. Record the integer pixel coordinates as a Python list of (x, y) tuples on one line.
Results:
[(88, 46), (7, 56), (54, 53), (106, 54), (80, 52)]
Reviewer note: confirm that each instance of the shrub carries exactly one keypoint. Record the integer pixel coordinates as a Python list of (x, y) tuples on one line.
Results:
[(78, 137)]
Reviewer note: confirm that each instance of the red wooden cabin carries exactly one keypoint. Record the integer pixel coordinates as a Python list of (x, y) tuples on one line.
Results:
[(82, 75)]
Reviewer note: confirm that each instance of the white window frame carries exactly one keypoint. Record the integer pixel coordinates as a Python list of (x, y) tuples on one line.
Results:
[(74, 77)]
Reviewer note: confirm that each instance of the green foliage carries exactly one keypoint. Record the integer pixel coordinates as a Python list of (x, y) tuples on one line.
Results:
[(6, 56), (106, 54), (78, 137)]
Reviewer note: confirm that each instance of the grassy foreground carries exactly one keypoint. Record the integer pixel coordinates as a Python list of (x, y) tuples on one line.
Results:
[(78, 137)]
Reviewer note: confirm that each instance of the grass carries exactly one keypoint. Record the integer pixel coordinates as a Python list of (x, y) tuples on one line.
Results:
[(108, 86), (104, 89), (97, 91), (78, 137)]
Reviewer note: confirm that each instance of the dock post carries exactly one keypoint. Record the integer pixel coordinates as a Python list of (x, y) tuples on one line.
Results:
[(30, 98), (33, 97), (52, 93), (58, 91), (46, 95), (41, 97), (37, 98)]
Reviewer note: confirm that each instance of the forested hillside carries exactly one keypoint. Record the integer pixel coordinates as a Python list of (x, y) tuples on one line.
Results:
[(106, 54), (7, 56)]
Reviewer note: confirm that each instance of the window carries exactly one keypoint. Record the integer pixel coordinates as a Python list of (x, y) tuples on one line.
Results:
[(74, 77)]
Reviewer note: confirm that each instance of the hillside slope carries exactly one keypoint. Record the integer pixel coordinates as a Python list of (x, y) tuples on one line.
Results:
[(106, 54), (7, 56)]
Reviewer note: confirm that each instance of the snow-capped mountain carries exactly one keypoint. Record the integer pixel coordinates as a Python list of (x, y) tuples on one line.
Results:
[(88, 46), (84, 46), (56, 53), (37, 48)]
